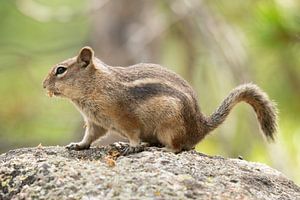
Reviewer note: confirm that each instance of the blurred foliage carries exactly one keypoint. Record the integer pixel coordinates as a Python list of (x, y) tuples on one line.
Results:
[(215, 45)]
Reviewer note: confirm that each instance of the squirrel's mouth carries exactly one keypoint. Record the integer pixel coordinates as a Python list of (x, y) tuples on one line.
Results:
[(53, 93), (56, 93)]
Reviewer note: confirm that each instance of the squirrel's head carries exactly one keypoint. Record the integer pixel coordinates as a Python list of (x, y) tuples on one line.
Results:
[(68, 78)]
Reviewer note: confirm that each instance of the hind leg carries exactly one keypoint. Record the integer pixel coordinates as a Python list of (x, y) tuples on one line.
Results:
[(173, 138), (167, 149)]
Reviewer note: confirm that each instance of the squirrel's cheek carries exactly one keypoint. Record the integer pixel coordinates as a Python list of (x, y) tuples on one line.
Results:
[(68, 91), (59, 86)]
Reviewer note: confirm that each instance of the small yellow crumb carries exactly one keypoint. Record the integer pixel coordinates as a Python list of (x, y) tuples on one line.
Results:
[(40, 145), (157, 193), (114, 154), (50, 94), (110, 162)]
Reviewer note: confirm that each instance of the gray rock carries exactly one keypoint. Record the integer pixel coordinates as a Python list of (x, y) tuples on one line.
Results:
[(102, 173)]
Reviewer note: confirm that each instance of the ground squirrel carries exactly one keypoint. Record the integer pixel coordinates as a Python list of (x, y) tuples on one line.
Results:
[(145, 103)]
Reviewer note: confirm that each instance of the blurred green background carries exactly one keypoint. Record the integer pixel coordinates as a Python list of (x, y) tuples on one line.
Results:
[(215, 45)]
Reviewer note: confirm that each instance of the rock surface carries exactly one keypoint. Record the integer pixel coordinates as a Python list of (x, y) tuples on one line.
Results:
[(102, 173)]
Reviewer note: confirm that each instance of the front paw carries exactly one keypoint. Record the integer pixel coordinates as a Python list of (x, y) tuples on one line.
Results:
[(132, 150), (77, 146)]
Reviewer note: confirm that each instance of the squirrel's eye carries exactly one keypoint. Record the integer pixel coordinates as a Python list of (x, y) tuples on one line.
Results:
[(60, 70)]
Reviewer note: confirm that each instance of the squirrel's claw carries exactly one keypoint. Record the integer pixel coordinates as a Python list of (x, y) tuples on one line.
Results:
[(77, 146), (131, 150)]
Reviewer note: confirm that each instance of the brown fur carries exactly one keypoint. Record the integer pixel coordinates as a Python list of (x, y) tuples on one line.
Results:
[(145, 102)]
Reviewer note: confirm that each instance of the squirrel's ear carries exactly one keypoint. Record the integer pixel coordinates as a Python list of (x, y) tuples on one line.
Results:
[(86, 56)]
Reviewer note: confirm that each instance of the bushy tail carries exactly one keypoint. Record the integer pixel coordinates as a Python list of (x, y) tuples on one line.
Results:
[(265, 109)]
